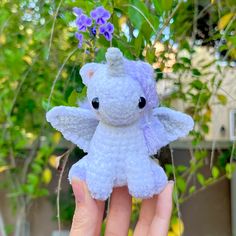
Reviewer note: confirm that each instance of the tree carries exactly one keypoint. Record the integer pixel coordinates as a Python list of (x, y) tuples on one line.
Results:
[(40, 62)]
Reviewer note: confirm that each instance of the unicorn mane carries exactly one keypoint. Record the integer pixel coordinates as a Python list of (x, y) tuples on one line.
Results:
[(144, 74)]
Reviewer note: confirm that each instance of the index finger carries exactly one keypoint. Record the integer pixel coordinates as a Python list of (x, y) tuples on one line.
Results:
[(86, 219), (161, 220), (119, 214)]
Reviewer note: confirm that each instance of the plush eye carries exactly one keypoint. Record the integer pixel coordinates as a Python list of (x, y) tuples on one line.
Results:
[(95, 103), (142, 102)]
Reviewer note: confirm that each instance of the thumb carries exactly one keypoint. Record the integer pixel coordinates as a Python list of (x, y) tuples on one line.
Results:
[(86, 212)]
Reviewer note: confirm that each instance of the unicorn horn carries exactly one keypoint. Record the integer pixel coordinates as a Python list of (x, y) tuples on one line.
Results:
[(115, 62)]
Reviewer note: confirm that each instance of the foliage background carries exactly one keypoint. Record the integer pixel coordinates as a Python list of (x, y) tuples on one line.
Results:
[(39, 68)]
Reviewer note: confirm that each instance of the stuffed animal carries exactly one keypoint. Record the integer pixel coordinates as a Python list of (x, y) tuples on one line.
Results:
[(120, 127)]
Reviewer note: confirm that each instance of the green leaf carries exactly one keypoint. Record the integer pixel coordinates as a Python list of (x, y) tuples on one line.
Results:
[(162, 5), (150, 55), (41, 35), (201, 179), (215, 172), (169, 169), (222, 99), (146, 31), (139, 14), (82, 94), (136, 11), (203, 98), (100, 56), (185, 45), (42, 192), (230, 168), (181, 184), (138, 44), (197, 84), (36, 168), (72, 100), (68, 92), (178, 66), (196, 72), (30, 189), (192, 189), (208, 64), (185, 60), (166, 4), (232, 39), (181, 168), (46, 106), (223, 47), (205, 128), (33, 179), (159, 74), (158, 6), (209, 181)]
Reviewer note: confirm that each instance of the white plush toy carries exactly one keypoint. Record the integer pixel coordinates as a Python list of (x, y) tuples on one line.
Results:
[(120, 127)]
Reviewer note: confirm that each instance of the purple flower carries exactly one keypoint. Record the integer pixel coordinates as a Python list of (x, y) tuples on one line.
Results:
[(100, 15), (83, 22), (77, 11), (92, 31), (80, 37), (107, 30)]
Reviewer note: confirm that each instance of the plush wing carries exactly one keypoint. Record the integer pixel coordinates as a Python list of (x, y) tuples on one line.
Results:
[(76, 124), (164, 126)]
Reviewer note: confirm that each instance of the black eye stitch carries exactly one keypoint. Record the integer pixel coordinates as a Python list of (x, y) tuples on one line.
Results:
[(142, 102), (95, 103)]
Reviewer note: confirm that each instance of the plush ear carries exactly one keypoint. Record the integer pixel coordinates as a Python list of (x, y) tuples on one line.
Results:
[(88, 70)]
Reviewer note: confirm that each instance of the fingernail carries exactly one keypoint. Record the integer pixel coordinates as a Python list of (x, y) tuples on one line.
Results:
[(78, 190)]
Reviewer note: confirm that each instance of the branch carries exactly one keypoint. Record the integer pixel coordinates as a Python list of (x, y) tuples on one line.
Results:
[(175, 189), (158, 34), (64, 162), (30, 158), (203, 188), (53, 27), (141, 13), (58, 74)]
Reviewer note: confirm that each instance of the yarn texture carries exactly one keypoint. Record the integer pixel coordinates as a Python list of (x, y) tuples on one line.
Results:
[(120, 126)]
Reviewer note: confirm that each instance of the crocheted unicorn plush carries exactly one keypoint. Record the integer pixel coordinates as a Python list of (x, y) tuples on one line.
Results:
[(120, 127)]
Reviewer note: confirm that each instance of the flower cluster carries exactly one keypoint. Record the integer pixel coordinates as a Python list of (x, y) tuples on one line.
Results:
[(95, 24)]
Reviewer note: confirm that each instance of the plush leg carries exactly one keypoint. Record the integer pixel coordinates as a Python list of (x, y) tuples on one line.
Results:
[(159, 176), (78, 170), (140, 177), (100, 177), (97, 173)]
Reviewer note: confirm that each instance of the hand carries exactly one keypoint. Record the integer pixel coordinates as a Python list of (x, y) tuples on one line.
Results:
[(153, 220)]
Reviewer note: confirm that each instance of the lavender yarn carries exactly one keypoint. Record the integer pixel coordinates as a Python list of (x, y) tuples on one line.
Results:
[(118, 134), (144, 74)]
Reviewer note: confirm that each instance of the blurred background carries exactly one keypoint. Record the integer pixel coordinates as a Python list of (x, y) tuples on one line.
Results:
[(192, 47)]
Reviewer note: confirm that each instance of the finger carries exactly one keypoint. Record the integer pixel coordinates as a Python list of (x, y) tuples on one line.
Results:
[(86, 211), (119, 213), (161, 220), (146, 215), (100, 206)]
